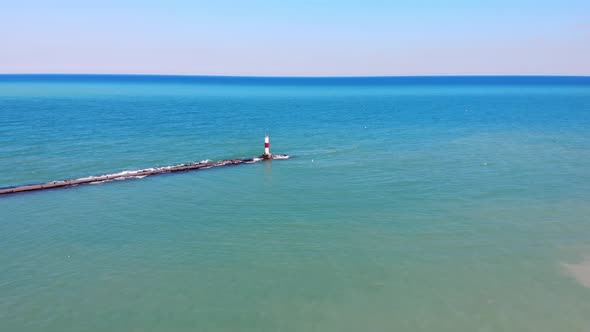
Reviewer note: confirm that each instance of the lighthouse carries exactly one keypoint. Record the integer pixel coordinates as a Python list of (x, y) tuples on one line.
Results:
[(267, 154)]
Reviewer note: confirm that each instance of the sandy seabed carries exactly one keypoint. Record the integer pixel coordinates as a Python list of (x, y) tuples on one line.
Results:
[(580, 271)]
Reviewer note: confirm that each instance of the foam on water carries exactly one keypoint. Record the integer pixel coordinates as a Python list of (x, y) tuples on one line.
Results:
[(280, 156)]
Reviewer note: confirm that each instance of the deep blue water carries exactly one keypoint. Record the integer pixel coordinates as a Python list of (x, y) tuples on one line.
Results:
[(411, 203)]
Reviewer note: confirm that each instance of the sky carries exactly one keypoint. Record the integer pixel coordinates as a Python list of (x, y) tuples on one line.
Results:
[(296, 38)]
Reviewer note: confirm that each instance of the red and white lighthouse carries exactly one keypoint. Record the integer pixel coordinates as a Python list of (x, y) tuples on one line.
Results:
[(266, 154)]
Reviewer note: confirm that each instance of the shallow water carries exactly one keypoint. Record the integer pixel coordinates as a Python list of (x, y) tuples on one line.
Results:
[(411, 204)]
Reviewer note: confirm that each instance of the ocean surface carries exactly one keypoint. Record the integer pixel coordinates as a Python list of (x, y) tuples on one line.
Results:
[(409, 204)]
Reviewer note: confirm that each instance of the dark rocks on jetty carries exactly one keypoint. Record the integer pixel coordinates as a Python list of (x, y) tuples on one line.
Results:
[(136, 174)]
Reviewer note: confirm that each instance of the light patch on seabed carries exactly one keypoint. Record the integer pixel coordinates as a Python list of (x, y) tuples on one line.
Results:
[(580, 271)]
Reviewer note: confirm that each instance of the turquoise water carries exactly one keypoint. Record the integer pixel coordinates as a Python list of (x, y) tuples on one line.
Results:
[(411, 204)]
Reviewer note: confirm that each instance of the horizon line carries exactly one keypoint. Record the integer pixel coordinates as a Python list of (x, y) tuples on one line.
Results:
[(289, 76)]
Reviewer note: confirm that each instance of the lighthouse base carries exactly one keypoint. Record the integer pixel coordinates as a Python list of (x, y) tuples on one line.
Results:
[(271, 156)]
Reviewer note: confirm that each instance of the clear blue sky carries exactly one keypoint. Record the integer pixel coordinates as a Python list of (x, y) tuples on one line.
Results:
[(296, 38)]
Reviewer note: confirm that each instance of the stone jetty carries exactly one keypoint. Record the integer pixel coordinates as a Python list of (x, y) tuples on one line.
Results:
[(135, 174)]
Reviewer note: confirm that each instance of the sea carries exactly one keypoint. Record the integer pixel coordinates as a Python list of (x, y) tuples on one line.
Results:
[(407, 204)]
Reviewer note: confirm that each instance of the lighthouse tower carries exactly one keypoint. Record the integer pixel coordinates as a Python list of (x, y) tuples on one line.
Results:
[(267, 154)]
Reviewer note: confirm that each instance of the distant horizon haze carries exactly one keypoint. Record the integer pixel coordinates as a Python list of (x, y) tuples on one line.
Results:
[(287, 77)]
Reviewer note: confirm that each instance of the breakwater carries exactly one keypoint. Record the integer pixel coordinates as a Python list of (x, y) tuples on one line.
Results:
[(135, 174)]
